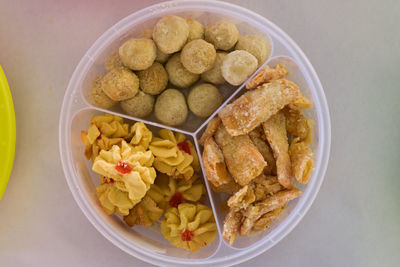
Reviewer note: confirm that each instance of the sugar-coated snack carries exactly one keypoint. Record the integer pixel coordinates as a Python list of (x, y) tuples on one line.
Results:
[(255, 45), (204, 99), (297, 124), (190, 226), (141, 105), (170, 33), (256, 106), (214, 163), (138, 53), (171, 108), (99, 98), (275, 130), (196, 30), (242, 157), (238, 66), (120, 84), (154, 79), (302, 160), (222, 34), (214, 75), (211, 128), (198, 56), (178, 74), (267, 74), (113, 61)]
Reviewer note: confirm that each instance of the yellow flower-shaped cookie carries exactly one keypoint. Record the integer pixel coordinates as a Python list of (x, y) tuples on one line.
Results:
[(113, 199), (145, 213), (168, 192), (141, 136), (130, 169), (190, 226), (174, 155)]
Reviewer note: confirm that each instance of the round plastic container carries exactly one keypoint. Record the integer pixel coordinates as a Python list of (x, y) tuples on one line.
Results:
[(147, 243)]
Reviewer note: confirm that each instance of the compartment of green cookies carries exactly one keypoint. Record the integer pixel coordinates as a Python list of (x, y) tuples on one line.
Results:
[(175, 70)]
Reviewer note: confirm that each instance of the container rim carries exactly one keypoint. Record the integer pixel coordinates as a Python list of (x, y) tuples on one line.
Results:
[(320, 104)]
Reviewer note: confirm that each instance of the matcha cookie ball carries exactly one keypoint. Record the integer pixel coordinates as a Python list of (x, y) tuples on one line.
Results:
[(255, 45), (222, 34), (204, 99), (138, 53), (171, 33), (238, 66), (170, 107), (154, 79), (99, 98), (196, 30), (141, 105), (178, 74), (114, 61), (120, 84), (214, 75), (198, 56)]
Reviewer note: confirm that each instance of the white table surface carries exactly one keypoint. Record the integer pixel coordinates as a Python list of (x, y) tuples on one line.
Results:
[(353, 45)]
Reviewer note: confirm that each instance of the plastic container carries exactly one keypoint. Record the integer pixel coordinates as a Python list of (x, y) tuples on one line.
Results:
[(147, 243)]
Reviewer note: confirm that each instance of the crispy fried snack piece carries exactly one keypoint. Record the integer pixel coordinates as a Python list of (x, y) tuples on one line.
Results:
[(301, 102), (275, 130), (268, 74), (302, 160), (228, 188), (214, 163), (254, 212), (265, 151), (257, 106), (242, 198), (297, 124), (232, 224), (265, 186), (242, 157), (212, 127), (265, 220)]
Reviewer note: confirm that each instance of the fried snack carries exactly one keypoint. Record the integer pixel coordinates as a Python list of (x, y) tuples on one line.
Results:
[(238, 66), (154, 79), (160, 56), (141, 105), (297, 124), (170, 108), (99, 98), (196, 30), (232, 224), (254, 212), (204, 99), (222, 34), (255, 45), (242, 157), (214, 164), (138, 53), (214, 75), (302, 160), (189, 226), (198, 56), (228, 188), (120, 84), (168, 192), (268, 74), (242, 198), (257, 106), (211, 128), (178, 74), (145, 213), (265, 220), (275, 130), (300, 103), (104, 132), (112, 199), (131, 170), (265, 151), (172, 154), (113, 61), (171, 33)]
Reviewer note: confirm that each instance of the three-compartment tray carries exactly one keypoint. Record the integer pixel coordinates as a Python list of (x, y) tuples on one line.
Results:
[(146, 243)]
